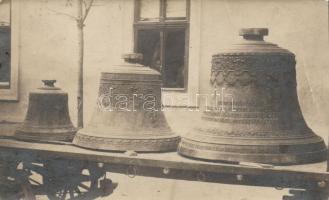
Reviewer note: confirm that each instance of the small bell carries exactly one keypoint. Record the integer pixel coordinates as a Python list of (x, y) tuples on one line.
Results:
[(47, 118)]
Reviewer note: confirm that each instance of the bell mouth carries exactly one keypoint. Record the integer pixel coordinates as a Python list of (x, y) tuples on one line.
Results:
[(289, 154), (46, 135)]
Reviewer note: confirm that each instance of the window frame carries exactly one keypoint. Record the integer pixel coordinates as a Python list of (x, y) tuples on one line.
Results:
[(7, 30), (164, 24), (11, 94)]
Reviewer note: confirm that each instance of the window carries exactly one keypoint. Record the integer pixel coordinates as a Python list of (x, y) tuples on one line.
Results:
[(5, 44), (161, 35), (9, 49)]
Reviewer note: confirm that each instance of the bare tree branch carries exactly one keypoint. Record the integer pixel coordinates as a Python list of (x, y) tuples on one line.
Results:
[(87, 11), (84, 3), (68, 3), (61, 13)]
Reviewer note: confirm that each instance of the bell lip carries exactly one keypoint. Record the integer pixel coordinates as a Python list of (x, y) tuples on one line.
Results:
[(164, 133), (45, 133), (46, 128), (119, 135), (45, 137), (289, 158), (154, 144), (260, 141), (278, 160)]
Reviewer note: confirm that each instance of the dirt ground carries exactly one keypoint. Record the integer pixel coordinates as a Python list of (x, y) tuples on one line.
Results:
[(142, 188), (145, 188)]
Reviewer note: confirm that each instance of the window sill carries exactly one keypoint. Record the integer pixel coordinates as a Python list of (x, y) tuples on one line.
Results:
[(4, 84), (173, 89)]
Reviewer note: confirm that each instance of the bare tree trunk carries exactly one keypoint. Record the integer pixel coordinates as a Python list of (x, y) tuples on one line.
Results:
[(80, 22)]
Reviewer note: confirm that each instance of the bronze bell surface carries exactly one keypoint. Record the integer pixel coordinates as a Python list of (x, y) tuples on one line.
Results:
[(47, 117), (255, 115), (128, 114)]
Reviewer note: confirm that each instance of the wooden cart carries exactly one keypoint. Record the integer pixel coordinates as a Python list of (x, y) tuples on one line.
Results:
[(70, 172)]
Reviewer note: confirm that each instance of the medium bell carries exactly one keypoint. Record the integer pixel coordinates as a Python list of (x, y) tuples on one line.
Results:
[(128, 115), (47, 118), (255, 115)]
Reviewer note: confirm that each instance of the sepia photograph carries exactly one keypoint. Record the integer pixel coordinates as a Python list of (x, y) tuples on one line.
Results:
[(164, 99)]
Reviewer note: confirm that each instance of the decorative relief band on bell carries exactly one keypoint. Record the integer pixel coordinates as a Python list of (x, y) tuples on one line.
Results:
[(251, 61), (122, 144), (252, 134), (246, 70)]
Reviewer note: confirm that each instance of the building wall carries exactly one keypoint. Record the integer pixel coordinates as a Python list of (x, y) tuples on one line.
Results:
[(49, 46)]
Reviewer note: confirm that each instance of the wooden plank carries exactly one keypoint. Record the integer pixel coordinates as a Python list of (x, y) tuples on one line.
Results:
[(315, 171)]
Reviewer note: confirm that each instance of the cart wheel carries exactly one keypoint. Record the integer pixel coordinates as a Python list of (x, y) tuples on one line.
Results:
[(14, 182), (15, 191), (65, 179), (26, 192)]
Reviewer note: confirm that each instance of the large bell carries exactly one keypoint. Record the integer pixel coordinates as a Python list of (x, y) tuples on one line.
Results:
[(128, 115), (255, 115), (47, 118)]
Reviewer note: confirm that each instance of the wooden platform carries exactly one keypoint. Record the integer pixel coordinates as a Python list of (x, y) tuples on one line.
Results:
[(173, 166), (170, 161)]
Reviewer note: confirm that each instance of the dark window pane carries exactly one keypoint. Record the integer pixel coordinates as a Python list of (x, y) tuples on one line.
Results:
[(149, 46), (172, 67), (4, 56), (174, 70)]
